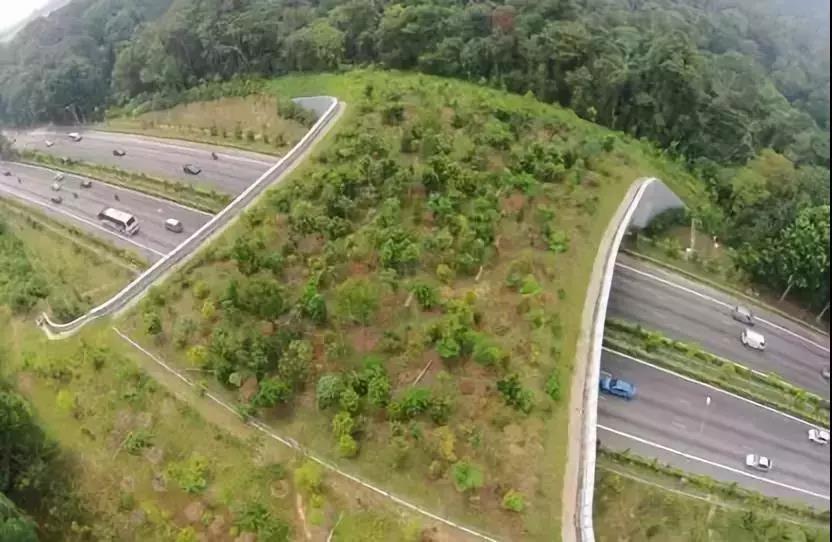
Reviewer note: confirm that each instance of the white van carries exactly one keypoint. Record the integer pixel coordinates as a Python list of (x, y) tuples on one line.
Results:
[(752, 339)]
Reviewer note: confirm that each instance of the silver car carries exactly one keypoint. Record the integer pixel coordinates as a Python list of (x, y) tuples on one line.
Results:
[(743, 314), (758, 462), (171, 224)]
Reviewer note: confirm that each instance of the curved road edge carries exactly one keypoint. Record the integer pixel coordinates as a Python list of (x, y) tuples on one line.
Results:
[(579, 478), (329, 109)]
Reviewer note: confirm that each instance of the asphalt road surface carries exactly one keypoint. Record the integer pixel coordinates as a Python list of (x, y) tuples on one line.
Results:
[(231, 173), (153, 241), (672, 412), (691, 312)]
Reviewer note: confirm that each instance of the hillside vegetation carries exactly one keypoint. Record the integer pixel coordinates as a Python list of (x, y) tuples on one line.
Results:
[(409, 301), (737, 90)]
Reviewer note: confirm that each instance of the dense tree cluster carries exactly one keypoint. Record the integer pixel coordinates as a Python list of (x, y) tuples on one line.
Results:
[(712, 79)]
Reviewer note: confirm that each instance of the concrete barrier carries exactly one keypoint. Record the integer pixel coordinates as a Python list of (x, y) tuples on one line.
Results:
[(649, 198), (326, 106)]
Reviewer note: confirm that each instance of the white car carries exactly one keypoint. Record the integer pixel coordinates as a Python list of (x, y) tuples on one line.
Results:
[(819, 436), (59, 177), (758, 462), (49, 143), (752, 339), (74, 136)]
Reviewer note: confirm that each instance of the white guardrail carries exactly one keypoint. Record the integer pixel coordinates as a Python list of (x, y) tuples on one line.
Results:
[(326, 107), (658, 199)]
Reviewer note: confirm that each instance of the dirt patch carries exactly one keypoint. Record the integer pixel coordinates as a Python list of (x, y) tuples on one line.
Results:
[(25, 382), (513, 203), (249, 389), (364, 340)]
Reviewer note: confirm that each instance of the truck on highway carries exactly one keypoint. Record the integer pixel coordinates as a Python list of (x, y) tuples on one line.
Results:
[(616, 386)]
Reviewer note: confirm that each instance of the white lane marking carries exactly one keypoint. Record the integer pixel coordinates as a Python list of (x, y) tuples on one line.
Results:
[(694, 381), (712, 463), (720, 303), (293, 444), (80, 219), (113, 186)]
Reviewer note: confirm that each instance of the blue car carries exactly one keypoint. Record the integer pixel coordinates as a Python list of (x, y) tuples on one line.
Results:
[(617, 387)]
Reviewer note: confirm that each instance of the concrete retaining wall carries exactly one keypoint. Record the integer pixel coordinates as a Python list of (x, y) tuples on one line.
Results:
[(650, 198)]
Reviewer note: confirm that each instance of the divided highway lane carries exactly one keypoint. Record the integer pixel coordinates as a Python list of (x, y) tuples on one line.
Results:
[(670, 411), (641, 294), (153, 240), (231, 173)]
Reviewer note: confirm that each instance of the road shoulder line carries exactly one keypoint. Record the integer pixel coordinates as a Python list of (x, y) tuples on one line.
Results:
[(711, 463)]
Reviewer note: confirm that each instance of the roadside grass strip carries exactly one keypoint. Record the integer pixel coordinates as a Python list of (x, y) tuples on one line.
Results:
[(686, 485), (691, 361), (195, 197)]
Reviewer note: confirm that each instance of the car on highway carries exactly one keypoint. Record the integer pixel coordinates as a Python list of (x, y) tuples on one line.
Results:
[(171, 224), (86, 183), (616, 386), (825, 372), (743, 314), (56, 199), (75, 136), (59, 177), (49, 143), (7, 173), (56, 187), (758, 462), (752, 339), (191, 169), (119, 152), (819, 436)]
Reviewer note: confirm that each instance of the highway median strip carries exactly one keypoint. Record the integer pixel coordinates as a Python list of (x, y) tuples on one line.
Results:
[(196, 197), (751, 499), (691, 361)]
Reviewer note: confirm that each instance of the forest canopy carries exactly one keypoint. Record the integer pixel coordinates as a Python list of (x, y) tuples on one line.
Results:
[(706, 79)]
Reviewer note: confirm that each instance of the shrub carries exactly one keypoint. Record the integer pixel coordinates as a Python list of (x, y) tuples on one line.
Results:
[(350, 401), (378, 390), (343, 424), (357, 300), (440, 410), (466, 476), (426, 295), (273, 391), (152, 323), (514, 394), (552, 387), (191, 474), (309, 477), (328, 390), (445, 443), (347, 446), (444, 273), (514, 501)]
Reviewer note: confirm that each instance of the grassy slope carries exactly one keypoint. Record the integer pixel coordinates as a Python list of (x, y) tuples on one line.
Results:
[(89, 408), (525, 453)]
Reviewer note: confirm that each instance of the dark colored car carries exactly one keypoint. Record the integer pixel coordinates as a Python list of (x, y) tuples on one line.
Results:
[(119, 152), (7, 173), (191, 169), (56, 199), (86, 183)]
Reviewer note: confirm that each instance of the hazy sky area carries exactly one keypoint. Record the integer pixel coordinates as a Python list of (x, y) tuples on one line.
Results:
[(12, 11)]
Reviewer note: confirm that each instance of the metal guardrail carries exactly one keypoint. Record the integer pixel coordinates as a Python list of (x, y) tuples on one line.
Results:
[(658, 199), (326, 106)]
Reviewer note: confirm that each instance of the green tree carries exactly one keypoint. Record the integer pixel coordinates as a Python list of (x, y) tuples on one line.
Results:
[(272, 392), (357, 300)]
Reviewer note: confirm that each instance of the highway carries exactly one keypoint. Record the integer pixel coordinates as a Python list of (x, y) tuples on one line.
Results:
[(152, 241), (691, 312), (672, 413), (231, 173)]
